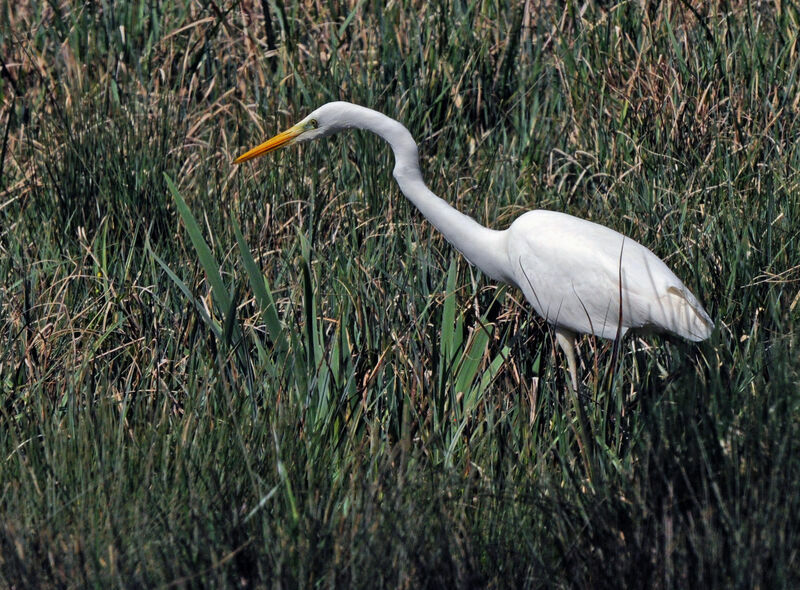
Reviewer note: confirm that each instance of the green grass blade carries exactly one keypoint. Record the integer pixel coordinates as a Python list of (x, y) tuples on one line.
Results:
[(262, 293), (447, 334), (207, 260), (211, 323)]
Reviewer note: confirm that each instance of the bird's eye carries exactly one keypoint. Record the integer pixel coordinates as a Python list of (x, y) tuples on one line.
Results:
[(313, 123)]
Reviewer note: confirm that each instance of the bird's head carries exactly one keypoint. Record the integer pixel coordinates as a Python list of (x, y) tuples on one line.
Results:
[(326, 120)]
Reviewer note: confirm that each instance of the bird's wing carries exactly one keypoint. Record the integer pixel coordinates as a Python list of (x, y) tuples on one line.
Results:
[(573, 272), (567, 275)]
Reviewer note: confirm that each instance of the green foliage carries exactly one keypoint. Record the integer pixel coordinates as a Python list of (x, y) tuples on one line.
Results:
[(280, 373)]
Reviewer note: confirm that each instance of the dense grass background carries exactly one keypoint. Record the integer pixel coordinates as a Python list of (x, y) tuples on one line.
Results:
[(334, 397)]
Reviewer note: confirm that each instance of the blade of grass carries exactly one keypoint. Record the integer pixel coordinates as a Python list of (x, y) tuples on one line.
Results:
[(263, 294), (218, 290)]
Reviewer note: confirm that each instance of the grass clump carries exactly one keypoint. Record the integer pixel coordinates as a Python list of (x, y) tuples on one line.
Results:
[(280, 374)]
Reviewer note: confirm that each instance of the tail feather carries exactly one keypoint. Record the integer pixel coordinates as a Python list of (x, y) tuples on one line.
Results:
[(687, 318)]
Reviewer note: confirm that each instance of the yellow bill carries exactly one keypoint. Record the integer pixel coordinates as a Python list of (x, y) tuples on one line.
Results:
[(280, 140)]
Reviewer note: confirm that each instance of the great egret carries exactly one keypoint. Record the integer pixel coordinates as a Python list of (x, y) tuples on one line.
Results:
[(572, 271)]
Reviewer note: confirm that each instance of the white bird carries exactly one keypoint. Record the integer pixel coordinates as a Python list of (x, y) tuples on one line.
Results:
[(572, 271)]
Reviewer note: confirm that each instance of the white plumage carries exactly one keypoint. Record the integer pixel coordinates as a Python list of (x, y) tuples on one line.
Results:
[(572, 271)]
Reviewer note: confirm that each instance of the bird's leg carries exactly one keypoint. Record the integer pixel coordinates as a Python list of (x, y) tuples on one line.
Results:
[(566, 340)]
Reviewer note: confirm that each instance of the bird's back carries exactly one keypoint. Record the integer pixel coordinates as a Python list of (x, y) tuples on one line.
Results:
[(574, 271)]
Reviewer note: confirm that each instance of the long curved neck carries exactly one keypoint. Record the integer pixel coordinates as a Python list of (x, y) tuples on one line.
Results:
[(481, 246)]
